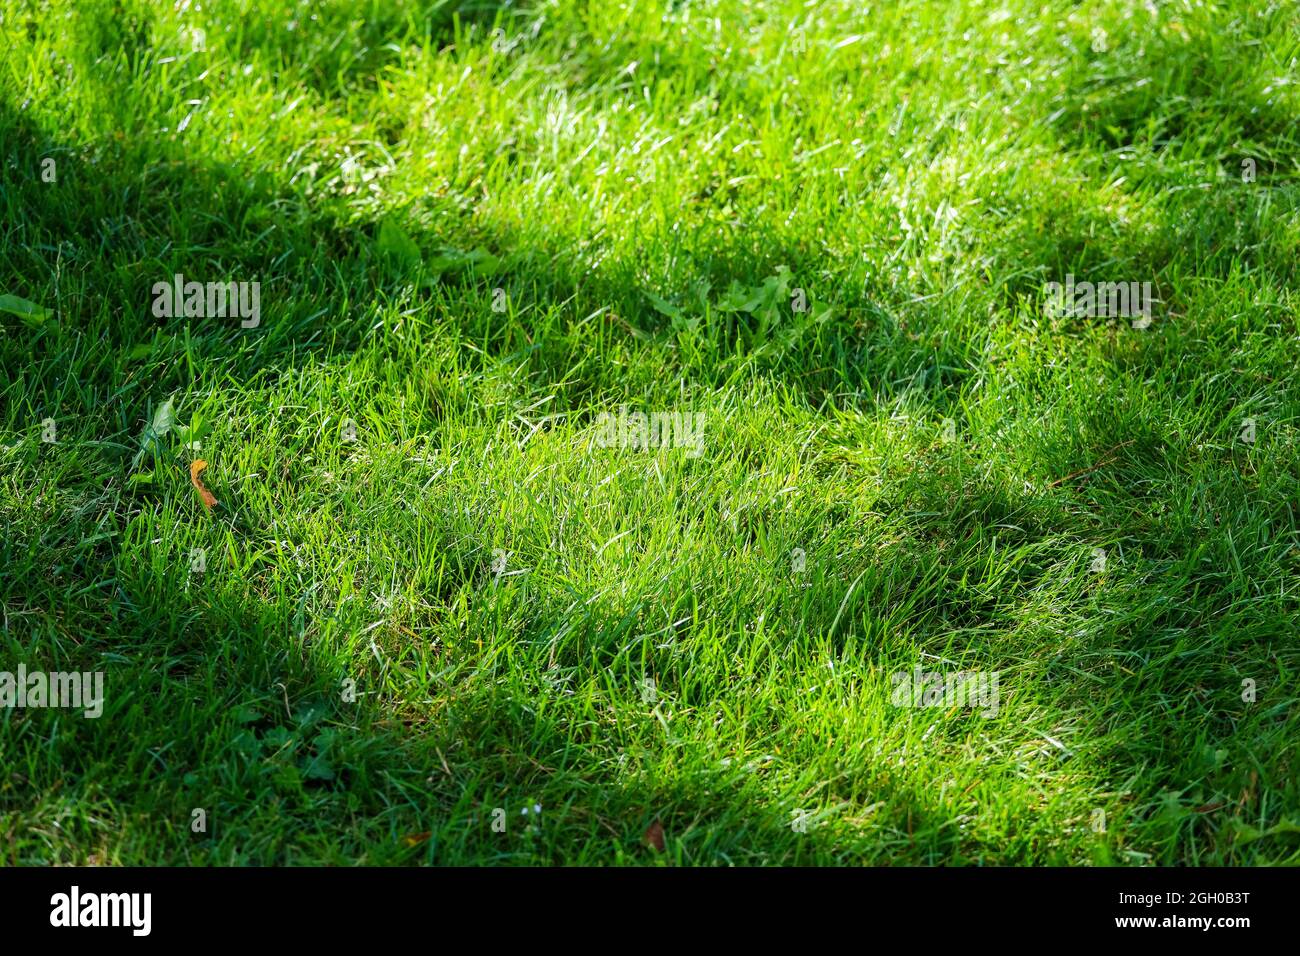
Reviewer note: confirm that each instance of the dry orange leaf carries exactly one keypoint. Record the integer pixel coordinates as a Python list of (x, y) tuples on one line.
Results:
[(204, 495), (654, 835)]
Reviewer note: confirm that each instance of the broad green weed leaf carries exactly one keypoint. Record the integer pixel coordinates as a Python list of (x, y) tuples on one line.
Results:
[(24, 309), (164, 417), (394, 243)]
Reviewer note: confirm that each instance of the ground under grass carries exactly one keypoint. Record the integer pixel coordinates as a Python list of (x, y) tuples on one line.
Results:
[(432, 597)]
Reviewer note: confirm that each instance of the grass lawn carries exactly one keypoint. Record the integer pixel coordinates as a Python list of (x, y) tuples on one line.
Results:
[(445, 584)]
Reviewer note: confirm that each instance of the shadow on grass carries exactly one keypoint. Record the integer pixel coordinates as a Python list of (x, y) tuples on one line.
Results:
[(139, 212)]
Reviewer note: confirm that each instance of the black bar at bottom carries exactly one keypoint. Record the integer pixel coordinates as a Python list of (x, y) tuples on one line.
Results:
[(338, 906)]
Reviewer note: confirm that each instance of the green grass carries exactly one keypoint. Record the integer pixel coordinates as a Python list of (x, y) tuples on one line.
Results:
[(638, 178)]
